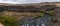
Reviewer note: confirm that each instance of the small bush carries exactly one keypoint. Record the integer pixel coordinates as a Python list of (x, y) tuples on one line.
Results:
[(7, 20)]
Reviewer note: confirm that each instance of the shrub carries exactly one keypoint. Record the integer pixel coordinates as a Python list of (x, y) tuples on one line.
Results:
[(7, 20)]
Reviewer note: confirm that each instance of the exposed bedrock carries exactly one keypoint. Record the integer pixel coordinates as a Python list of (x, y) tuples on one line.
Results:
[(26, 9)]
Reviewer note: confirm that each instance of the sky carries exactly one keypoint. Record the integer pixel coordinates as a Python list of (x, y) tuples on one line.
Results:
[(26, 1)]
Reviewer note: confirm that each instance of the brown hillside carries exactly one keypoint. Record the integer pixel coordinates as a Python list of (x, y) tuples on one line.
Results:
[(19, 10)]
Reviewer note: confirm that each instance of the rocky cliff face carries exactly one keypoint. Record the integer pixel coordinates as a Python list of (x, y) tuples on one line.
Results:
[(24, 7), (21, 10)]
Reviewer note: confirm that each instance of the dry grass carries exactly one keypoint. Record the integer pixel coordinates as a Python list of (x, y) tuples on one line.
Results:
[(58, 4)]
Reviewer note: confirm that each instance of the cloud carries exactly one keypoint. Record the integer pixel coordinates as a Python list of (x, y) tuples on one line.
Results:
[(26, 1)]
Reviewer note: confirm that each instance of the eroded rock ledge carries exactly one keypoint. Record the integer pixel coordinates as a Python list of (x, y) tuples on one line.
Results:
[(27, 7)]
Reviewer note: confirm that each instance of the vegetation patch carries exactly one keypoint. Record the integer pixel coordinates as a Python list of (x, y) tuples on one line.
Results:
[(8, 20)]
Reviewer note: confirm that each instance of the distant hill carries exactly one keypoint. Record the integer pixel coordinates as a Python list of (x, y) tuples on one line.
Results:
[(35, 4), (26, 7)]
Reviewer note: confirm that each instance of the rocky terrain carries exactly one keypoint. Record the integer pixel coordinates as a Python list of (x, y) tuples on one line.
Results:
[(19, 11)]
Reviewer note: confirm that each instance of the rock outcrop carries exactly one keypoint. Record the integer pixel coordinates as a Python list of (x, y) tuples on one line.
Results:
[(29, 9), (25, 7)]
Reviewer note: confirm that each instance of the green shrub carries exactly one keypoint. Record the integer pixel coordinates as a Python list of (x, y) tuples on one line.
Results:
[(7, 20)]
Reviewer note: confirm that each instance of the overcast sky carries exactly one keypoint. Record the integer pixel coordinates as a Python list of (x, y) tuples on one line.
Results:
[(26, 1)]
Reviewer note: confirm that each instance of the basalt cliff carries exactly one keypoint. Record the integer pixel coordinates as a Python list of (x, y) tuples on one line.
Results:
[(23, 10)]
